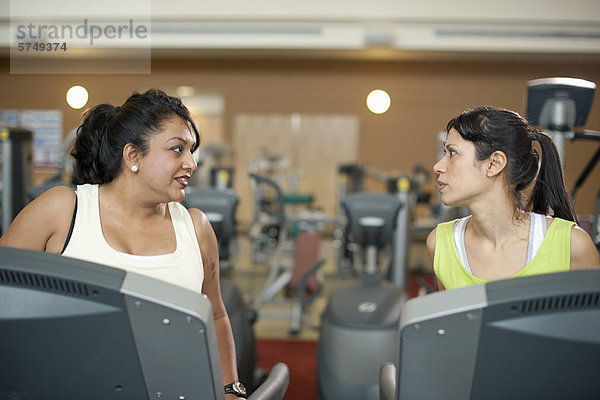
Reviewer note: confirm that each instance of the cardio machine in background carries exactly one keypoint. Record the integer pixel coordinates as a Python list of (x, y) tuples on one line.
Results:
[(561, 107), (359, 327), (17, 172), (351, 179)]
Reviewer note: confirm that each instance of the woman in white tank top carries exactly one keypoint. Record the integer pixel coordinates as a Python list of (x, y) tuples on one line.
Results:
[(133, 164)]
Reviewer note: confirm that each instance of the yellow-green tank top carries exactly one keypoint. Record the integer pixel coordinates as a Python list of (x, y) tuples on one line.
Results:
[(554, 255)]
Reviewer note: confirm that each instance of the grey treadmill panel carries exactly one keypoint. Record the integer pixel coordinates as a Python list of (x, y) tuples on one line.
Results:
[(530, 337), (63, 330), (443, 303), (541, 334), (73, 329), (166, 332), (437, 332)]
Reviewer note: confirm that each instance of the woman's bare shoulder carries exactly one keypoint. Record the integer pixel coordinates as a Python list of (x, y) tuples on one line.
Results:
[(47, 216), (583, 251), (60, 193), (431, 240), (54, 204), (200, 220), (58, 202)]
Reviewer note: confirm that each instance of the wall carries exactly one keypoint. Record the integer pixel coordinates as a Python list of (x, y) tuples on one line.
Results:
[(425, 94)]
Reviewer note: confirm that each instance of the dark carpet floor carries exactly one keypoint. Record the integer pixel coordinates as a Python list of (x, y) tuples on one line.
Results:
[(301, 358)]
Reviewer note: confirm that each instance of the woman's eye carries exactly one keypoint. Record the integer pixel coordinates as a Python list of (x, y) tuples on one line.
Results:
[(177, 149), (450, 152)]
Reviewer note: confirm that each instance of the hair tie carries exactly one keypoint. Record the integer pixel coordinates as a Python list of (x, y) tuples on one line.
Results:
[(117, 108)]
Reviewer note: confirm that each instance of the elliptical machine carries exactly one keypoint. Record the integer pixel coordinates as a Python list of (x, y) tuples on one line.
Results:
[(359, 327)]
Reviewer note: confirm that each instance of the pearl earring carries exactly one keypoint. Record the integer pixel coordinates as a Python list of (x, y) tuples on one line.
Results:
[(134, 168)]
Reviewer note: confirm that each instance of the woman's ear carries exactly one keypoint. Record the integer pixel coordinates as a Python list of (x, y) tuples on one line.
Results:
[(496, 163), (131, 155)]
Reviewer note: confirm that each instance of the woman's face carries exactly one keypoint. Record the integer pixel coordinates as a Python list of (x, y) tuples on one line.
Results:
[(169, 162), (461, 177)]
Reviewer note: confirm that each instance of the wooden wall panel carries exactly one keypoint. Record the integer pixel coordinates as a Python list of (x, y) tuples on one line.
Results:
[(314, 147)]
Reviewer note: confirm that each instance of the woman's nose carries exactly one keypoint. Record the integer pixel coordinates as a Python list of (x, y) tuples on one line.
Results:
[(191, 162), (438, 167)]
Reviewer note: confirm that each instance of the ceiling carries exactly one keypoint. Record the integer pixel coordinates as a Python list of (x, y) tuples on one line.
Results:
[(375, 30)]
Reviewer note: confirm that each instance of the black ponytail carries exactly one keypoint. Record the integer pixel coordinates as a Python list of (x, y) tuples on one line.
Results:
[(106, 130), (549, 190), (91, 146)]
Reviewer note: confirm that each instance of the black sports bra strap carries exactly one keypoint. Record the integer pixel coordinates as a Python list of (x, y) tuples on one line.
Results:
[(71, 227)]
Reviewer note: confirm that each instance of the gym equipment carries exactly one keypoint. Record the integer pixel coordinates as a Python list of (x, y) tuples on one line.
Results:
[(350, 179), (220, 207), (359, 328), (534, 337), (299, 275), (560, 105), (17, 172), (242, 319), (214, 167), (406, 188), (66, 170), (73, 329), (264, 232), (596, 223), (279, 169)]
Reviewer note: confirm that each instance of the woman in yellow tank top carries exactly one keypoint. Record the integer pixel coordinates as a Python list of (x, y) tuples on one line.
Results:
[(492, 167)]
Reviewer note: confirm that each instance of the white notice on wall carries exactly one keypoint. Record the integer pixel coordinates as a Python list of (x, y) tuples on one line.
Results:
[(47, 126)]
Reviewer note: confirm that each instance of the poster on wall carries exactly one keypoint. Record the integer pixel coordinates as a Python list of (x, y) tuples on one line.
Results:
[(47, 126)]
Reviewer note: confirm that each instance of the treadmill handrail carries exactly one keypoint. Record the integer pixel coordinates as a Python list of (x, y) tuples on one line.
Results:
[(275, 386)]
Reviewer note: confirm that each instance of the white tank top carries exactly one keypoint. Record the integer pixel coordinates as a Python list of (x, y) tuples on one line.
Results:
[(183, 267)]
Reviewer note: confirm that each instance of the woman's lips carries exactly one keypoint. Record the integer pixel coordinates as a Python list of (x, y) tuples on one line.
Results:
[(182, 180)]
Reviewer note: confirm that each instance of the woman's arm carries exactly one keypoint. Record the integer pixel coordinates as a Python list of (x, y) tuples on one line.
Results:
[(44, 223), (431, 250), (583, 252), (211, 288)]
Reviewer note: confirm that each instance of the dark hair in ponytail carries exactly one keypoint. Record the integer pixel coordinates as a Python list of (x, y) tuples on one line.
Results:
[(549, 190), (492, 129), (106, 129)]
